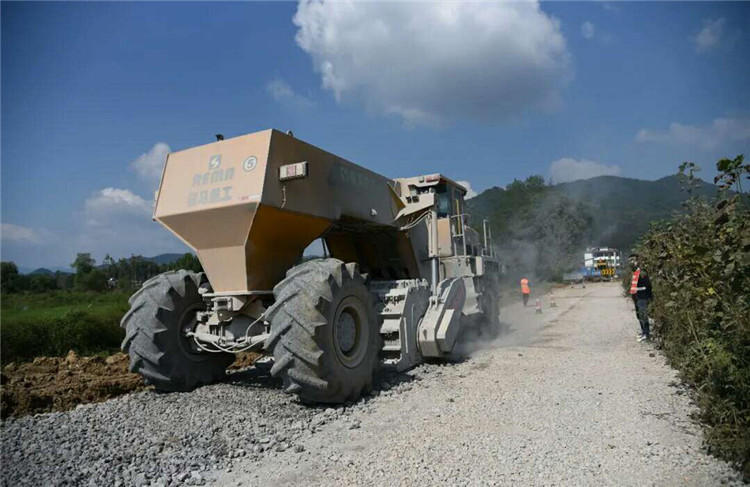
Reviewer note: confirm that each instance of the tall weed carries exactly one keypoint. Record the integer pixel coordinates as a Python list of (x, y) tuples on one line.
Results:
[(699, 263)]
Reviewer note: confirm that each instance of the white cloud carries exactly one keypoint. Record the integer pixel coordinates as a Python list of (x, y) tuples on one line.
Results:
[(283, 93), (113, 221), (710, 36), (20, 234), (588, 30), (430, 63), (470, 193), (720, 131), (111, 204), (149, 165), (118, 221), (568, 169)]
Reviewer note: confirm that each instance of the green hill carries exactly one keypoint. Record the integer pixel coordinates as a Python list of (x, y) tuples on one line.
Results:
[(620, 208), (42, 271)]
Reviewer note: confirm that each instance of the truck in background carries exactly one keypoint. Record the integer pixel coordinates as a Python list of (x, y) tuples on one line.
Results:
[(602, 263), (599, 264)]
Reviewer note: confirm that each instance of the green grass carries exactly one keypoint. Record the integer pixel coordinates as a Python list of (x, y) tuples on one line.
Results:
[(52, 323)]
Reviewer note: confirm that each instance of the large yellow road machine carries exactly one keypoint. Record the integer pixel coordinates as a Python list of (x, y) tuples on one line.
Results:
[(402, 276)]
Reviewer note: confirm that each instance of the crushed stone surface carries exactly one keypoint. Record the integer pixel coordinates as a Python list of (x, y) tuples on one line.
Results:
[(566, 397)]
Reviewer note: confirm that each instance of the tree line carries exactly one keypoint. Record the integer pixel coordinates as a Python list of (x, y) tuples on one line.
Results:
[(125, 274)]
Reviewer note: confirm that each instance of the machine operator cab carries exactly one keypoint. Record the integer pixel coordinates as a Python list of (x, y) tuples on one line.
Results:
[(455, 236)]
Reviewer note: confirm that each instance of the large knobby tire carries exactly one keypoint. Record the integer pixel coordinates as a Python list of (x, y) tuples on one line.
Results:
[(325, 335), (491, 326), (154, 334)]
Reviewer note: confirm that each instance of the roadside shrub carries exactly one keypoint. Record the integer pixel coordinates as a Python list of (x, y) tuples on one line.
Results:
[(699, 263), (76, 330), (51, 324)]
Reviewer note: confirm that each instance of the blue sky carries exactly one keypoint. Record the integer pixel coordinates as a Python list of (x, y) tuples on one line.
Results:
[(94, 95)]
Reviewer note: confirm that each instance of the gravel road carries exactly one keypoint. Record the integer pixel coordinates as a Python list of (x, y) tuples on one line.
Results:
[(566, 397)]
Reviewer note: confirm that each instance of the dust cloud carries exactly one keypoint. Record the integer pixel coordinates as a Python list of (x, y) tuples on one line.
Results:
[(518, 325)]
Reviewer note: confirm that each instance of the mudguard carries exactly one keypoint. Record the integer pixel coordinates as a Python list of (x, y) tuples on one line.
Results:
[(441, 323)]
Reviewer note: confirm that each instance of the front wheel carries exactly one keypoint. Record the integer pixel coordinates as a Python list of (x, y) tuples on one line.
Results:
[(160, 314), (325, 335)]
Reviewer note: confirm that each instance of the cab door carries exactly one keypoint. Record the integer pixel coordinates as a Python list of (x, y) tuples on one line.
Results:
[(445, 212)]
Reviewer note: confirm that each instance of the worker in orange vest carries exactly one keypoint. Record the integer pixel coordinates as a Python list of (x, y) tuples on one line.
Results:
[(525, 290), (640, 290)]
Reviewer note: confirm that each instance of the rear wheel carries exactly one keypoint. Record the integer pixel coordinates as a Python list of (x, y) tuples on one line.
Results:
[(325, 335), (160, 314), (491, 326)]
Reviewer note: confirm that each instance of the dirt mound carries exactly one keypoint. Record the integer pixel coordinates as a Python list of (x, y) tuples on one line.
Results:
[(61, 383)]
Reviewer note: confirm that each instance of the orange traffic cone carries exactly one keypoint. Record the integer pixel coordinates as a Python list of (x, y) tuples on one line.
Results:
[(538, 307), (553, 304)]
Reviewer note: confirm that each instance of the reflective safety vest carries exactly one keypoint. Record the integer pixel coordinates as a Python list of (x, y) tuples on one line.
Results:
[(525, 286), (634, 281)]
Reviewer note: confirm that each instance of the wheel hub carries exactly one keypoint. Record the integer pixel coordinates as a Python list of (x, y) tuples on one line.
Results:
[(346, 328), (187, 323), (350, 332)]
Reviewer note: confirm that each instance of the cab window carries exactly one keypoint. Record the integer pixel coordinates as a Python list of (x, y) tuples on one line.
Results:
[(443, 201)]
